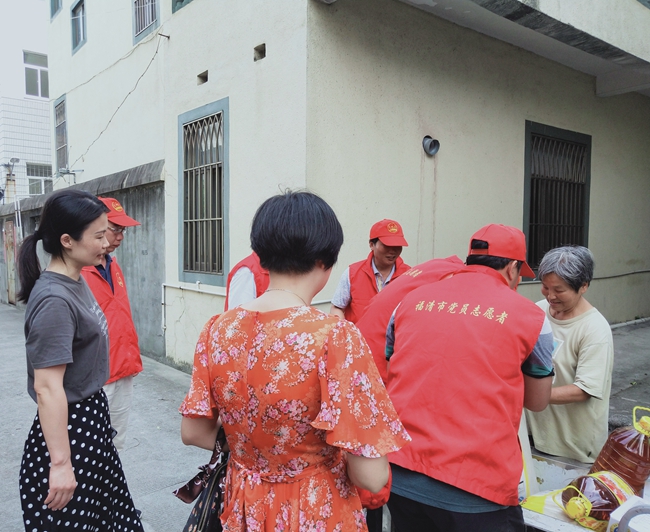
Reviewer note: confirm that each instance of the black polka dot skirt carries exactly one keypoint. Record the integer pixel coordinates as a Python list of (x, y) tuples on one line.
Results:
[(101, 501)]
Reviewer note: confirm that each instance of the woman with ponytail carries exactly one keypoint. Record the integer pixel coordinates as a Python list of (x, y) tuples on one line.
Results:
[(71, 476)]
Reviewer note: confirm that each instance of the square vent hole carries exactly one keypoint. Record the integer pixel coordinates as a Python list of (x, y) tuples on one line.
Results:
[(259, 52), (202, 78)]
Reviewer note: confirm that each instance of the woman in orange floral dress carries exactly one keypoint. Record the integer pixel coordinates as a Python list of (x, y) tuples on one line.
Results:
[(305, 412)]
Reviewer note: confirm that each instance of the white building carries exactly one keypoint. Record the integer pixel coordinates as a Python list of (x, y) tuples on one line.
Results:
[(25, 134), (193, 112)]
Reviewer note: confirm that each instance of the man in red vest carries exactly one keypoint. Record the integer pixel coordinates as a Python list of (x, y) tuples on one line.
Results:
[(363, 280), (375, 320), (106, 281), (465, 355), (246, 281)]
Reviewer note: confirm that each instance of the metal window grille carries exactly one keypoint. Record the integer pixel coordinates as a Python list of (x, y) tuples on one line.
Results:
[(61, 136), (78, 24), (203, 223), (558, 195), (145, 14)]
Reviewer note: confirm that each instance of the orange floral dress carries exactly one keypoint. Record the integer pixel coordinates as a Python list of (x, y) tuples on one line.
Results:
[(294, 388)]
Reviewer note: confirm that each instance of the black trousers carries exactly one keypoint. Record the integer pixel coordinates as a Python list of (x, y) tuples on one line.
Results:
[(410, 516), (374, 519)]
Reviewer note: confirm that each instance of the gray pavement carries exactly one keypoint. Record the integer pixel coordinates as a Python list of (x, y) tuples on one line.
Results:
[(631, 376), (155, 460)]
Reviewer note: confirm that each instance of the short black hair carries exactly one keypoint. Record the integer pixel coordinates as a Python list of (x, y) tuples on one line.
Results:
[(496, 263), (374, 240), (294, 230)]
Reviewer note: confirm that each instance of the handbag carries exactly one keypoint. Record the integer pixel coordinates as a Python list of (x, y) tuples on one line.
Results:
[(207, 489)]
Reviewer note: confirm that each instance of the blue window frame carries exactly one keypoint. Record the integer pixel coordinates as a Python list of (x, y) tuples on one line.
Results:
[(177, 4), (78, 20), (55, 7), (146, 17), (203, 194)]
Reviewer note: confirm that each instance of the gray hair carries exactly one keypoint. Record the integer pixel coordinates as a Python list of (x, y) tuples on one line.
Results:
[(573, 264)]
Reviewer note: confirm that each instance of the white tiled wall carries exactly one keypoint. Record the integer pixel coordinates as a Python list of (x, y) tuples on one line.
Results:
[(24, 134)]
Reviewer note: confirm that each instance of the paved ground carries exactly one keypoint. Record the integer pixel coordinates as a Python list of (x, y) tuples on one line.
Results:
[(155, 460), (631, 378)]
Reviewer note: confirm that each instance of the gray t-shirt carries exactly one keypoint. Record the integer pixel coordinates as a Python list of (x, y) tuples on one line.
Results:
[(65, 325)]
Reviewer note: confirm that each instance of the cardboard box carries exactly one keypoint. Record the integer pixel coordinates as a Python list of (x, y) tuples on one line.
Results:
[(640, 523)]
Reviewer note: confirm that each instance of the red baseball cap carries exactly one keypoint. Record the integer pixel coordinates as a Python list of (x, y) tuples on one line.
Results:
[(389, 232), (503, 241), (116, 213)]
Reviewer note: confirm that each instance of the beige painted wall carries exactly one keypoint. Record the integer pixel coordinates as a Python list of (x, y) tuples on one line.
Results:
[(267, 105), (381, 75), (340, 105)]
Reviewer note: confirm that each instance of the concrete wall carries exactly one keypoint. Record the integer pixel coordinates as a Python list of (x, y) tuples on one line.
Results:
[(140, 255), (142, 259), (382, 75), (620, 23)]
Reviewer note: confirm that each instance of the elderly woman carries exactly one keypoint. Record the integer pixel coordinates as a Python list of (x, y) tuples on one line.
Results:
[(305, 412), (574, 424)]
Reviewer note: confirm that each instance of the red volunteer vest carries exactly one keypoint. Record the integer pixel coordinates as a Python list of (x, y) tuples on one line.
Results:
[(124, 353), (456, 382), (260, 275), (374, 321), (363, 286)]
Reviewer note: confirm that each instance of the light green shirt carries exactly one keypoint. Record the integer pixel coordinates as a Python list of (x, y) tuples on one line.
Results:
[(584, 356)]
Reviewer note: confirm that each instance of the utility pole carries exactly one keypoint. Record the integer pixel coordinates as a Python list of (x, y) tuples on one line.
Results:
[(9, 190)]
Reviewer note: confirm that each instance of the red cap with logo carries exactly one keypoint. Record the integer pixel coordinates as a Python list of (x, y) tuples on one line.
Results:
[(116, 213), (503, 241), (389, 232)]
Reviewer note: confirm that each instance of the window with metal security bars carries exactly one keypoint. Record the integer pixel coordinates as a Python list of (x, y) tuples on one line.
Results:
[(61, 134), (557, 189), (203, 188), (144, 12), (39, 178)]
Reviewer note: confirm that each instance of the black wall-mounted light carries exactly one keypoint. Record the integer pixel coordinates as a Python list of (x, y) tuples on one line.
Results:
[(430, 145)]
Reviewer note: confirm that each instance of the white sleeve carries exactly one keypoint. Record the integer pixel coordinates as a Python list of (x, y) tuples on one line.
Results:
[(341, 297), (242, 288)]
